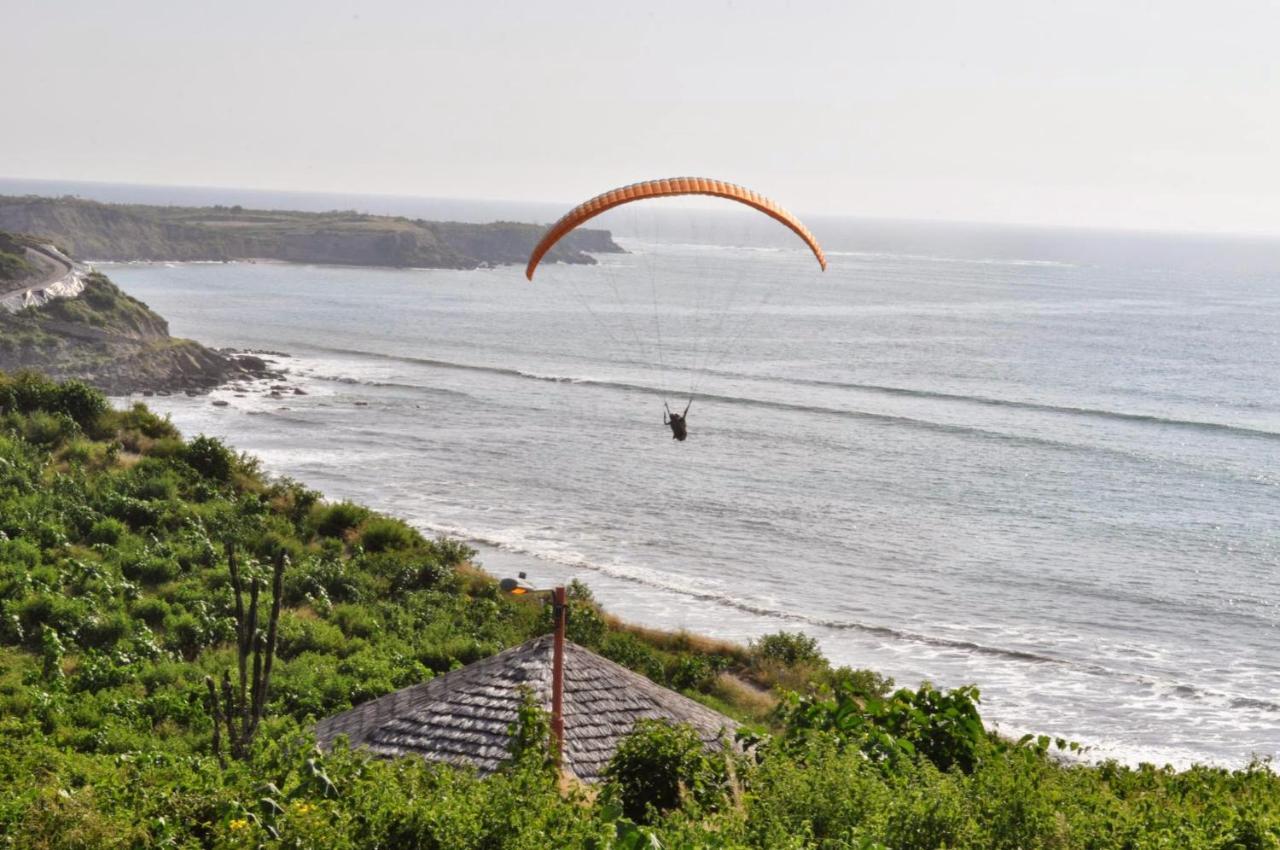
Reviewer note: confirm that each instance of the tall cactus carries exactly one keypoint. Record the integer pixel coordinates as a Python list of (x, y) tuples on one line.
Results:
[(240, 706)]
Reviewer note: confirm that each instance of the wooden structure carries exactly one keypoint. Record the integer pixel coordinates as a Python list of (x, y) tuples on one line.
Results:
[(464, 716)]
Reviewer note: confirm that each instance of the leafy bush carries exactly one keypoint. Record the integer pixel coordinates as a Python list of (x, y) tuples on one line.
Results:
[(382, 534), (657, 765), (354, 620), (692, 672), (151, 611), (863, 683), (790, 648), (209, 457), (152, 569), (79, 401), (629, 651), (336, 519), (103, 631), (52, 610), (106, 531), (49, 429), (942, 726)]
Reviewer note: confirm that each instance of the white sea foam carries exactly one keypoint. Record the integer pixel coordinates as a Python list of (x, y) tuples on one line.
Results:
[(1064, 494)]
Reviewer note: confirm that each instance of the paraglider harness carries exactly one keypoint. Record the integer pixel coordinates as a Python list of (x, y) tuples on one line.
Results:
[(679, 430)]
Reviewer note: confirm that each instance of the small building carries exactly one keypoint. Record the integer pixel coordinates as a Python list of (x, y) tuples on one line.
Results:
[(464, 716)]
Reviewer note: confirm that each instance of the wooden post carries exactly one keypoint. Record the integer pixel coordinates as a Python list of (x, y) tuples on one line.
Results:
[(560, 610)]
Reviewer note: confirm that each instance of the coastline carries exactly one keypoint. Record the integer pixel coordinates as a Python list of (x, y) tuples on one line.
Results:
[(661, 606), (367, 396)]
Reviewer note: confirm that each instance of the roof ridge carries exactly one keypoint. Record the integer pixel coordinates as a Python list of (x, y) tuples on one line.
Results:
[(465, 714)]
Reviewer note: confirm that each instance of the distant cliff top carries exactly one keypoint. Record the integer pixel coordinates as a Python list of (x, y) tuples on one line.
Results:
[(97, 231)]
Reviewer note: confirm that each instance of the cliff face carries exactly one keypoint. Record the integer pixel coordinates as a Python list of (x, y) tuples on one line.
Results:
[(113, 342), (131, 232)]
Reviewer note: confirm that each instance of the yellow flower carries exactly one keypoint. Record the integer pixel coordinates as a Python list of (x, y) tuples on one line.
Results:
[(239, 823), (302, 807)]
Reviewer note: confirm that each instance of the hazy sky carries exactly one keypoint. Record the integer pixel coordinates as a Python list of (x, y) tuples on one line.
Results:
[(1161, 115)]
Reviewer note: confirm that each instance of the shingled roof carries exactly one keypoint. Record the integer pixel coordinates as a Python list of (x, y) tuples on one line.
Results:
[(463, 717)]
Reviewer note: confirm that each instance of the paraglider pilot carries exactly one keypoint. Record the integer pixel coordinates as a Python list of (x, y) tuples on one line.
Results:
[(679, 430)]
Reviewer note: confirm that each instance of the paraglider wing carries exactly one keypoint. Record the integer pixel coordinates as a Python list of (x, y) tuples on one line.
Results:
[(662, 189)]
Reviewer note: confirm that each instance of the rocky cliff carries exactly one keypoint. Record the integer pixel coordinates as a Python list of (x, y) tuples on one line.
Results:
[(114, 342)]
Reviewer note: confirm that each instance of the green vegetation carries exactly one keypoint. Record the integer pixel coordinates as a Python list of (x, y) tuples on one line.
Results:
[(117, 602), (99, 231), (13, 264)]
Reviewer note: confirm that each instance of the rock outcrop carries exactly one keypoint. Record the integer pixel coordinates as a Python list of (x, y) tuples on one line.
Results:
[(115, 343)]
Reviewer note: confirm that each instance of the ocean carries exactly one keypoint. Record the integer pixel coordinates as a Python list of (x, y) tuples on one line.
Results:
[(1045, 465)]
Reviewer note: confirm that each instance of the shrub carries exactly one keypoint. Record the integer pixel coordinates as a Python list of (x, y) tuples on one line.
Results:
[(322, 577), (692, 672), (354, 620), (81, 402), (153, 482), (107, 531), (862, 682), (452, 552), (137, 513), (152, 569), (337, 519), (19, 551), (274, 544), (151, 611), (629, 651), (187, 634), (209, 457), (26, 392), (790, 648), (145, 422), (299, 635), (656, 764), (942, 726), (103, 631), (54, 610), (49, 429), (380, 534), (405, 572)]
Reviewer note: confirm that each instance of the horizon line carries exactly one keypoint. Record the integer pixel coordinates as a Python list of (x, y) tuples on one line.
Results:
[(1241, 235)]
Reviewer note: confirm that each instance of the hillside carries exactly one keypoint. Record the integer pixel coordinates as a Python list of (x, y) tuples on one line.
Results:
[(14, 267), (123, 548), (98, 231), (114, 342)]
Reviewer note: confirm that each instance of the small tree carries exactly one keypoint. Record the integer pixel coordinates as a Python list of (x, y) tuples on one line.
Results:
[(240, 707)]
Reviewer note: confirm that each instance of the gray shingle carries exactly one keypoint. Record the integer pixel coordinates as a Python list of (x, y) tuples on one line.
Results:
[(463, 717)]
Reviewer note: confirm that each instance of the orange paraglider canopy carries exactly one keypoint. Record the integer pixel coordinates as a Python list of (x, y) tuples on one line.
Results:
[(662, 189)]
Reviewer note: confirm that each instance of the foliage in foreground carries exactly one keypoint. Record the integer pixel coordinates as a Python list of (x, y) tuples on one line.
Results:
[(115, 604)]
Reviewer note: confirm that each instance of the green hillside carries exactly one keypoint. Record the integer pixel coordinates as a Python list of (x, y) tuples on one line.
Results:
[(13, 263), (117, 538)]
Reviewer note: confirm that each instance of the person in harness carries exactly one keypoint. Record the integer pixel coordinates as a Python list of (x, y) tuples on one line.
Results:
[(679, 427)]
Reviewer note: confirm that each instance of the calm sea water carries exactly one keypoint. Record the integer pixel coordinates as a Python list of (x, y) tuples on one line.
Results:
[(1057, 479)]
